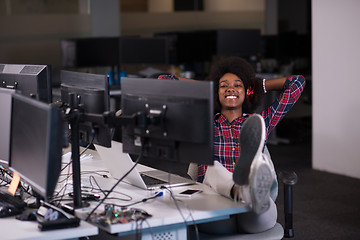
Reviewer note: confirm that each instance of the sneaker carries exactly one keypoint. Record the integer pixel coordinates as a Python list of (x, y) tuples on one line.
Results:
[(252, 140), (252, 173)]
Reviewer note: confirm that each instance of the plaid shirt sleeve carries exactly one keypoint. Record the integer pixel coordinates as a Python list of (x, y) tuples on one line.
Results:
[(293, 88), (168, 76)]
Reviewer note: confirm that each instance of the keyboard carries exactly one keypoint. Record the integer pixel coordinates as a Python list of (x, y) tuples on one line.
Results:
[(149, 181), (7, 199), (10, 205)]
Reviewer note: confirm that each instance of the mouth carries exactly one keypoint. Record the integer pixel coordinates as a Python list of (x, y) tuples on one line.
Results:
[(231, 97)]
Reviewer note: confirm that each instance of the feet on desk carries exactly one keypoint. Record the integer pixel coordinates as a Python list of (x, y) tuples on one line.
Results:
[(252, 174)]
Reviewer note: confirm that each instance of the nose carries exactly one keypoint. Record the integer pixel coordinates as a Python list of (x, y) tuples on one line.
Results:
[(230, 89)]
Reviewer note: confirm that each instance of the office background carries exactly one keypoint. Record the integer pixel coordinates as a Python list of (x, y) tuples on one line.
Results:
[(31, 31)]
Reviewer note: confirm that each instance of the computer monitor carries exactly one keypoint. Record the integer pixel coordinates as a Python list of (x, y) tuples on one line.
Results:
[(147, 51), (269, 46), (238, 42), (195, 46), (202, 45), (174, 119), (90, 52), (92, 94), (5, 120), (30, 80), (36, 143)]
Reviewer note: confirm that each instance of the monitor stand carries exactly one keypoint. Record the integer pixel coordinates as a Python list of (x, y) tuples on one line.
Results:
[(75, 155)]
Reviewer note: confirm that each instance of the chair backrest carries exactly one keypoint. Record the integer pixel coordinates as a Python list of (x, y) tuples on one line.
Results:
[(193, 171)]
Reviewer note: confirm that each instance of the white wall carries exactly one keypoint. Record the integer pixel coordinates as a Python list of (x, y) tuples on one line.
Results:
[(336, 86)]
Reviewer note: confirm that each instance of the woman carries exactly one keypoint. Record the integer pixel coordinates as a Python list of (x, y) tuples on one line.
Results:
[(238, 93)]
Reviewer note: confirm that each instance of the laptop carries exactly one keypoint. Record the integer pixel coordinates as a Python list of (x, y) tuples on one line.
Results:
[(119, 163)]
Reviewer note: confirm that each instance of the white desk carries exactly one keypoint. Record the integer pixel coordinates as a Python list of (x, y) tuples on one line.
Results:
[(204, 207), (12, 228), (166, 222)]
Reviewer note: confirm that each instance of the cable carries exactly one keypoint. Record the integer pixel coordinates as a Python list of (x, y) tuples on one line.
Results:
[(175, 201), (141, 201), (98, 172), (105, 192), (102, 200), (150, 228), (70, 162), (85, 149), (177, 206)]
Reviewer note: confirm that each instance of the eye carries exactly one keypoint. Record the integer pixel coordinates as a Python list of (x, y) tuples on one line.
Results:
[(239, 85)]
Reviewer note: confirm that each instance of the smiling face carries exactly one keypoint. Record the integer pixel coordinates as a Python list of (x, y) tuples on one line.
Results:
[(231, 92)]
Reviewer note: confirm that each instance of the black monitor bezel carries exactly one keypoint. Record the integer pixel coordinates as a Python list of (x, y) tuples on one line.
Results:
[(28, 79), (54, 139), (82, 83), (143, 51), (170, 90), (6, 125)]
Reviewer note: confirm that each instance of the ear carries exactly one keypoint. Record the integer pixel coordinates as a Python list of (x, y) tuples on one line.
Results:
[(250, 93)]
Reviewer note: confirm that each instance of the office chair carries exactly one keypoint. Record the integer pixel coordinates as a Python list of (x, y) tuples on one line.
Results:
[(288, 179)]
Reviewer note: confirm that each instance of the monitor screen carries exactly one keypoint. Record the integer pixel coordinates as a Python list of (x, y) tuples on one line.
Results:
[(196, 46), (238, 42), (36, 143), (269, 46), (171, 38), (90, 52), (30, 80), (138, 50), (92, 94), (5, 120), (202, 45), (174, 119)]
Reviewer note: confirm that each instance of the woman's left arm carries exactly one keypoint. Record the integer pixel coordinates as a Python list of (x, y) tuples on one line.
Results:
[(275, 84), (291, 89)]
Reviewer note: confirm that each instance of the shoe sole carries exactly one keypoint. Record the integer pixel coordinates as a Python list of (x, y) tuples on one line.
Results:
[(260, 183), (252, 139)]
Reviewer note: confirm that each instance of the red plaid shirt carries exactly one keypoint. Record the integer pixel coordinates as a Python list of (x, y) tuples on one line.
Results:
[(227, 135)]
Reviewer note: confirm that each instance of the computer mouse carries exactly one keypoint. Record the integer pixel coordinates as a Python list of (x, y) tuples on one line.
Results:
[(27, 215), (7, 211)]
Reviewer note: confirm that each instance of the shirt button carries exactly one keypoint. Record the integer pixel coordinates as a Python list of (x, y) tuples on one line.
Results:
[(233, 149)]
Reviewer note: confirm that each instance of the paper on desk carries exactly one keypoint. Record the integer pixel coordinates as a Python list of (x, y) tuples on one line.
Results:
[(66, 158), (14, 183)]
